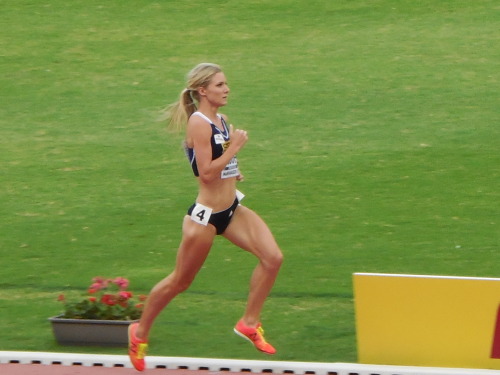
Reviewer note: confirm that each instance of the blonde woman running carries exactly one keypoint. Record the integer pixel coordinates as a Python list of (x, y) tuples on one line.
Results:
[(211, 147)]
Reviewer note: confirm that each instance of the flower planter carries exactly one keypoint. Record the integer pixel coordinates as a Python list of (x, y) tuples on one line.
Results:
[(90, 332)]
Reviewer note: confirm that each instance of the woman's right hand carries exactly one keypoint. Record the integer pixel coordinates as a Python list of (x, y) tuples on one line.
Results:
[(238, 138)]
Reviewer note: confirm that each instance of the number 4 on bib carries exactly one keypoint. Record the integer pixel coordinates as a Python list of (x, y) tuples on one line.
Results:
[(201, 214)]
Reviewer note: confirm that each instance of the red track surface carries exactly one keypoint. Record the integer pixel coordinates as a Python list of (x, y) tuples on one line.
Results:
[(20, 369)]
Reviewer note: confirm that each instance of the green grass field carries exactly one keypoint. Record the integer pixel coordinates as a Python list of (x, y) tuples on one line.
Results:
[(374, 138)]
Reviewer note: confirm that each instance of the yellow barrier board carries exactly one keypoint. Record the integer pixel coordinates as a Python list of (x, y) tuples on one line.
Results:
[(437, 321)]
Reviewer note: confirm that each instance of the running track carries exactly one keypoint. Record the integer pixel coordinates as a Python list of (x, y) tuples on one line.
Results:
[(18, 369), (35, 363)]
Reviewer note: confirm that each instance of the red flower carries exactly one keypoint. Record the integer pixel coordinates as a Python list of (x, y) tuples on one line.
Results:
[(108, 299), (143, 297), (92, 299), (61, 298)]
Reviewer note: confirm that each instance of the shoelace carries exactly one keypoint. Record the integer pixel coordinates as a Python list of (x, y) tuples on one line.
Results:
[(141, 350), (260, 334)]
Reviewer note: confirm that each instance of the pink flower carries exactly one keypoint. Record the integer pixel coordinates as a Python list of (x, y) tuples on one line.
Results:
[(124, 295), (121, 282), (100, 281), (95, 287)]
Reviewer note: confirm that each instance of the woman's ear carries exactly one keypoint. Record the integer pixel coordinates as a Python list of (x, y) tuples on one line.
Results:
[(202, 91)]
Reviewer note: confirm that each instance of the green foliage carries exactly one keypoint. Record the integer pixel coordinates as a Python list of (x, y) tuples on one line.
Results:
[(107, 299), (88, 310), (373, 147)]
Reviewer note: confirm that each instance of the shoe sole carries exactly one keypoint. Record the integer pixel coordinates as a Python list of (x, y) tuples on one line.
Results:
[(242, 335)]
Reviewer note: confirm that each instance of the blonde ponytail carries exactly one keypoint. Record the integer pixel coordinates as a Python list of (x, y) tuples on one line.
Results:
[(178, 113)]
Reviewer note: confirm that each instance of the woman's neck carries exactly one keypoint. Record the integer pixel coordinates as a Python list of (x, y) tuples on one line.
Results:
[(209, 111)]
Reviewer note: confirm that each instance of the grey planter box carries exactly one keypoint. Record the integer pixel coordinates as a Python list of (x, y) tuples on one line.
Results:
[(90, 332)]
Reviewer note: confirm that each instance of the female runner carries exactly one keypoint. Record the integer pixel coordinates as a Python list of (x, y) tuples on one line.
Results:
[(211, 147)]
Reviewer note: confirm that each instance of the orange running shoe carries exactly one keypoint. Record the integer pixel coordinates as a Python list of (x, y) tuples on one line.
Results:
[(255, 336), (136, 348)]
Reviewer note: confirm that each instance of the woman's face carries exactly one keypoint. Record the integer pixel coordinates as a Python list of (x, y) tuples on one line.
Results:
[(217, 90)]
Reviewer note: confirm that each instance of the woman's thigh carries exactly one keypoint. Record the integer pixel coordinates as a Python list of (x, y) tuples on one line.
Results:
[(248, 231), (194, 248)]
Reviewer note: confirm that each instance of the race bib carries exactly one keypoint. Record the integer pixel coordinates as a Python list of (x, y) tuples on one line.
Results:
[(231, 169), (219, 139), (201, 214)]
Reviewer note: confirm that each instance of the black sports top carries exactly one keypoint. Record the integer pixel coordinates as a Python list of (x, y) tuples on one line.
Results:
[(220, 142)]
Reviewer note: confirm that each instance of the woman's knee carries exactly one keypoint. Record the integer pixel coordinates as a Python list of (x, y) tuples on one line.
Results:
[(278, 259), (273, 260), (172, 286), (182, 286), (181, 283)]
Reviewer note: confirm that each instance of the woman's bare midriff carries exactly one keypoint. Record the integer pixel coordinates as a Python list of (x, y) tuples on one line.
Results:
[(218, 194)]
